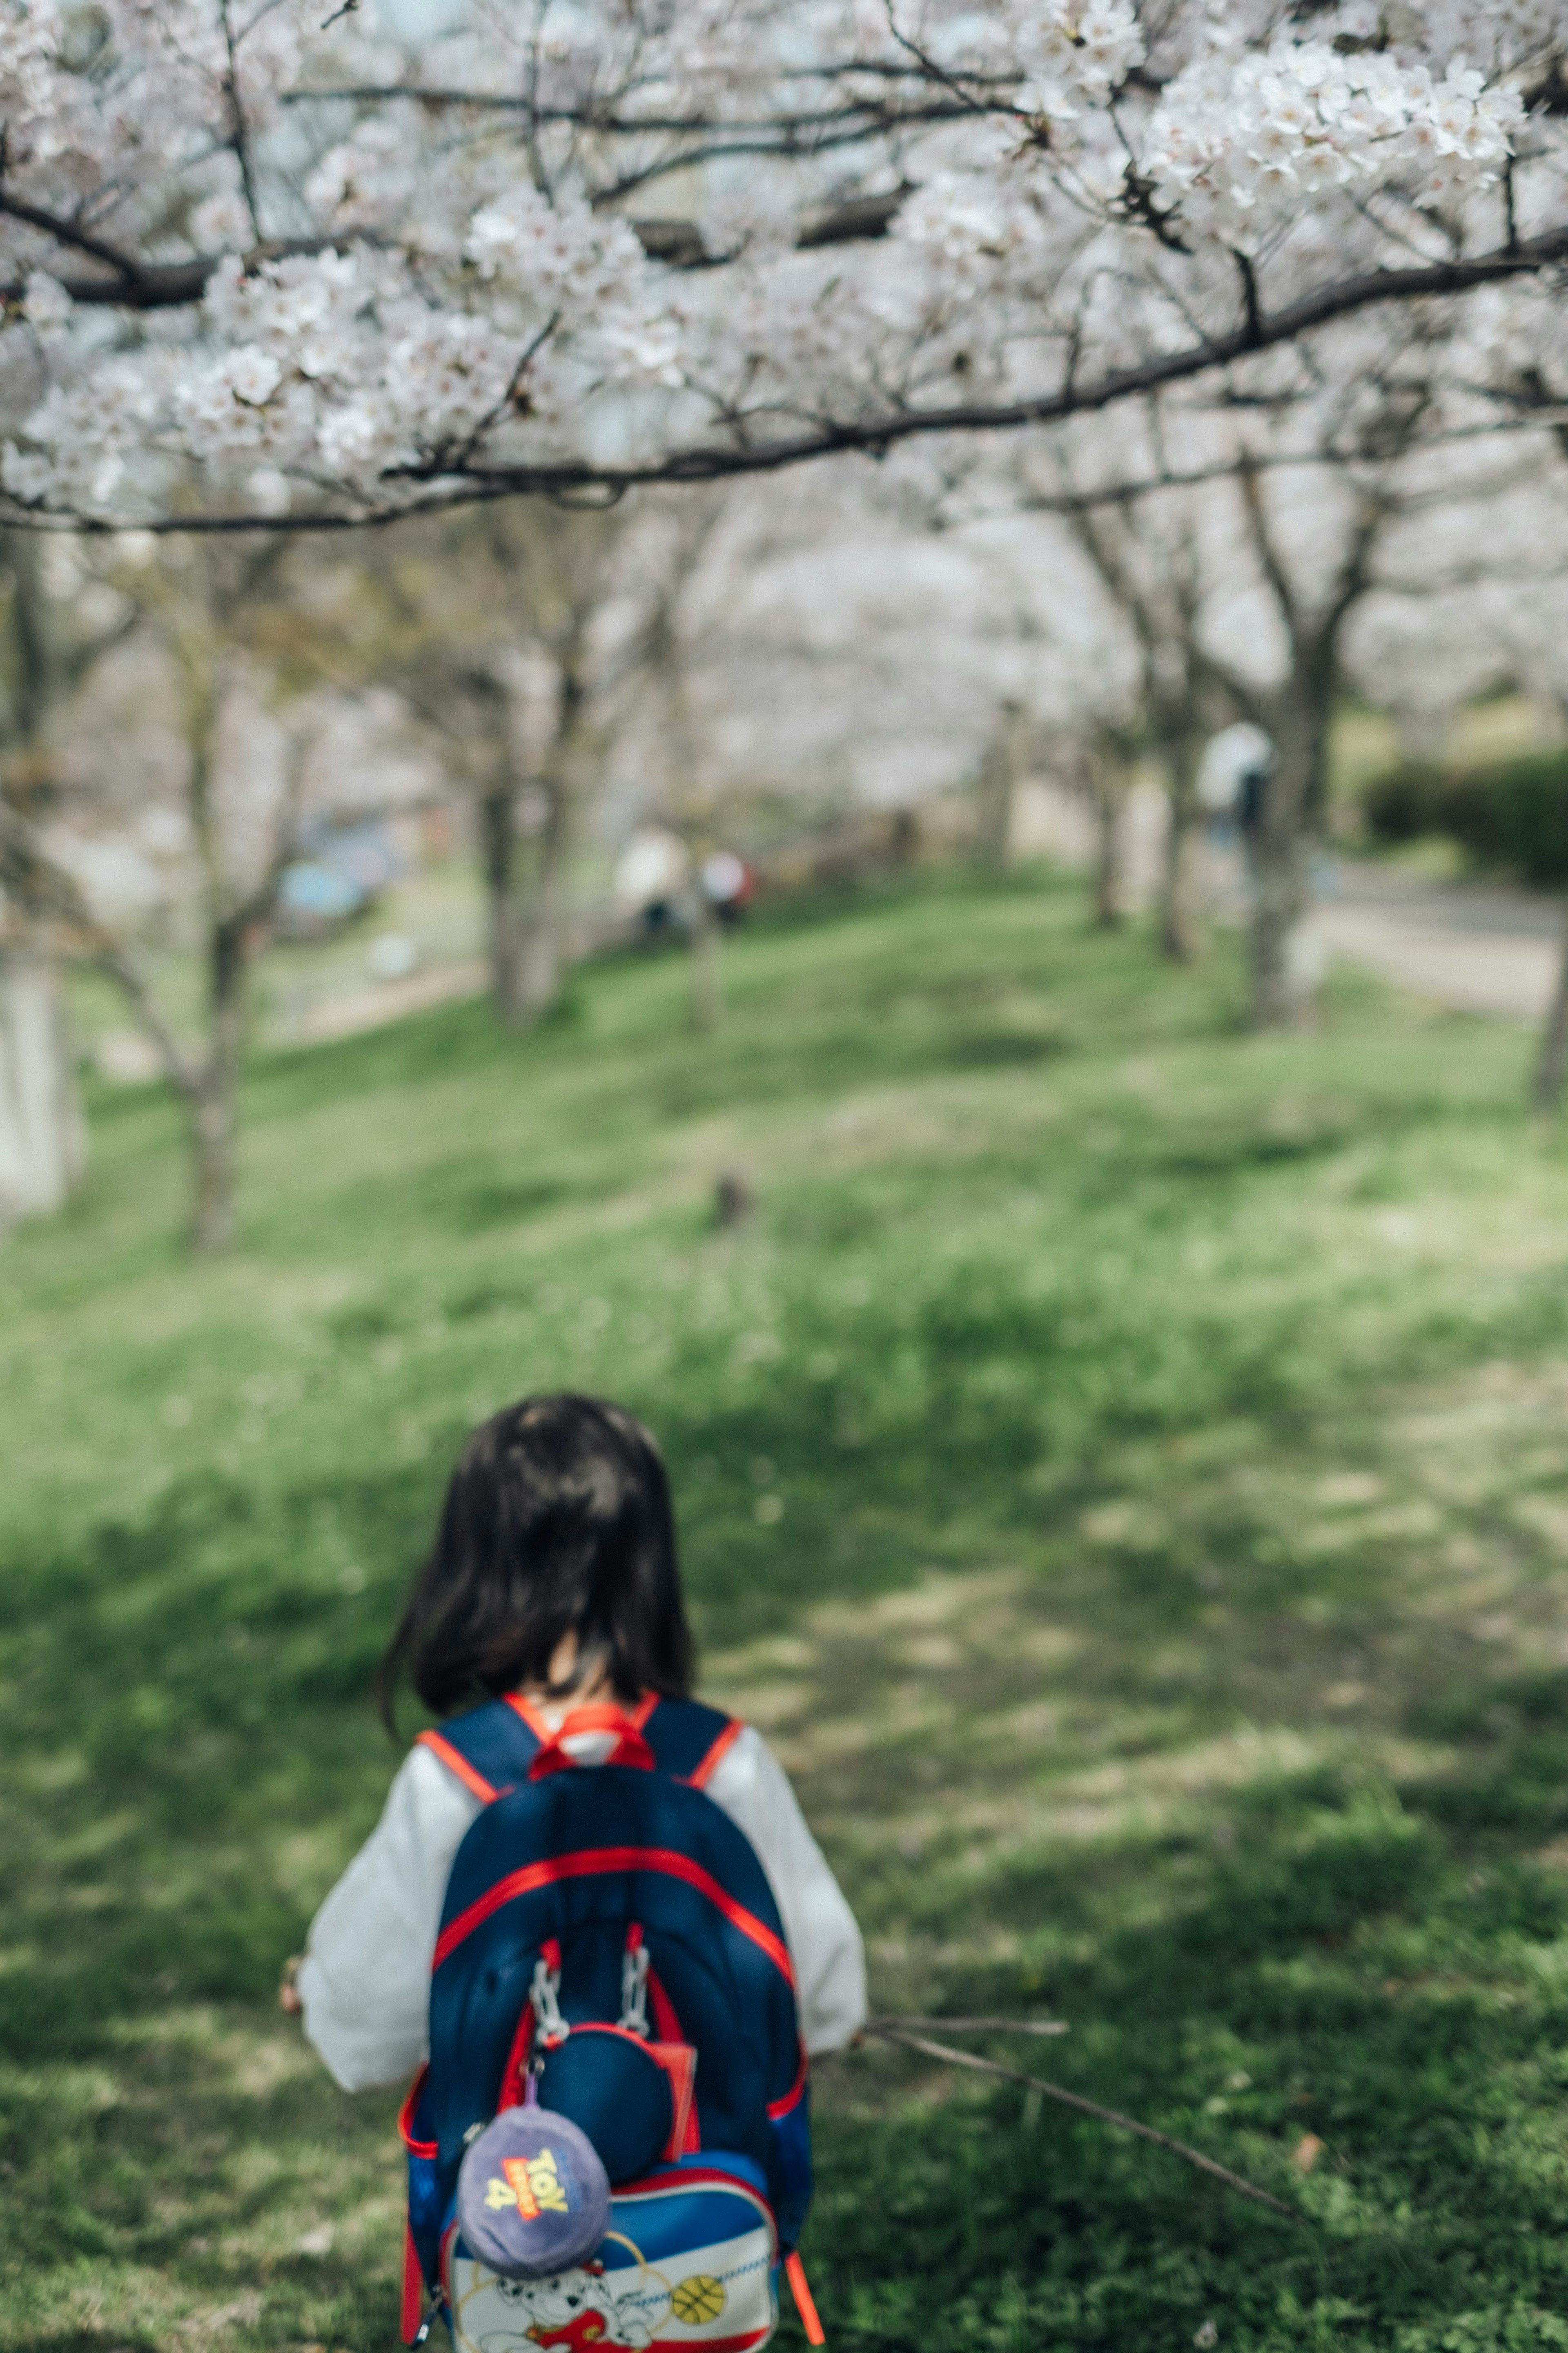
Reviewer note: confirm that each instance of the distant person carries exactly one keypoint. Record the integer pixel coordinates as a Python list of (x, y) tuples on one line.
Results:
[(587, 1889), (652, 880), (728, 884), (1233, 777)]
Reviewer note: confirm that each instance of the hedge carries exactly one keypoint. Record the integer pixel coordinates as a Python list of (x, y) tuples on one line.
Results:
[(1512, 813)]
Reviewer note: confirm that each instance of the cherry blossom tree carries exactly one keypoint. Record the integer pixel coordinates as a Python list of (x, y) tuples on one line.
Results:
[(843, 656), (662, 718), (53, 632), (501, 631), (263, 266), (1149, 563), (43, 1139), (1003, 766), (175, 785), (525, 640), (1244, 543)]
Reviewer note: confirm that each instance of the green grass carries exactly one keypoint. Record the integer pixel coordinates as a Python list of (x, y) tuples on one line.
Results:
[(1124, 1465)]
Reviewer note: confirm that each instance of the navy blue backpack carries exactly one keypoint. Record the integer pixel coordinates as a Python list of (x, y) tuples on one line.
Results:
[(609, 1932)]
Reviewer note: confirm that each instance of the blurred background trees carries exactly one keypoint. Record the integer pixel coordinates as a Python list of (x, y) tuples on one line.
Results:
[(239, 747)]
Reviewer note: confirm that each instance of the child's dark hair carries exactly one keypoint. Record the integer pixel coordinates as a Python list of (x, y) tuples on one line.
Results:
[(557, 1521)]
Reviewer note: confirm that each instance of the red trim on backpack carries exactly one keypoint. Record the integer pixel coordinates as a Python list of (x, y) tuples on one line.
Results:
[(531, 1717), (719, 2344), (679, 2061), (654, 2185), (666, 2020), (791, 2098), (413, 2307), (703, 1773), (588, 1864), (541, 1730), (406, 2116), (413, 2310), (454, 1762), (682, 2176)]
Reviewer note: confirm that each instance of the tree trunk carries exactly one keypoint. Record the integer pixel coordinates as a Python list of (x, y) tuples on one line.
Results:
[(212, 1164), (1281, 987), (539, 959), (1180, 882), (1552, 1065), (498, 857), (538, 913), (1107, 793), (43, 1143), (707, 973), (1285, 970), (997, 787), (212, 1094)]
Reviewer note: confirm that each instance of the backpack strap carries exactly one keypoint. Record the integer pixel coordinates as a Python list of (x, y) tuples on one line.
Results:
[(490, 1748), (687, 1739)]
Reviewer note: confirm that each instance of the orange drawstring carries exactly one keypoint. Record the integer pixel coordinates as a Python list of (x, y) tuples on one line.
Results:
[(794, 2272)]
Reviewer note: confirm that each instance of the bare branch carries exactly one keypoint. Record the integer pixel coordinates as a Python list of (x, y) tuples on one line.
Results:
[(891, 2032), (132, 280), (1271, 561), (46, 888)]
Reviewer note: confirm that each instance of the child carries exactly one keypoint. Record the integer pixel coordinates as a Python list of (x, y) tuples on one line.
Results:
[(553, 1576)]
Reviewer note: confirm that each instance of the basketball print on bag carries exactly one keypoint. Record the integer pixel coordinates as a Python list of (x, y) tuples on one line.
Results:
[(702, 2297)]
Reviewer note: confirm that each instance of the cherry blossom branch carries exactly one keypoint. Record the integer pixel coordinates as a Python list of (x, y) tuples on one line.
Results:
[(1135, 488), (135, 278), (238, 128), (1350, 296), (607, 123), (605, 492), (144, 285), (139, 285)]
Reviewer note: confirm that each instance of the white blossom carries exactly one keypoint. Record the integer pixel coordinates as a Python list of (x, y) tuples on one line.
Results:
[(45, 305), (867, 215)]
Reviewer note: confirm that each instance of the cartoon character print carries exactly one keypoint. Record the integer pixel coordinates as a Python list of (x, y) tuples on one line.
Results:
[(574, 2310)]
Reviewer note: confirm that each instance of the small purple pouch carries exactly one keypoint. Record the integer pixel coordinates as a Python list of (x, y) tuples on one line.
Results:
[(533, 2197)]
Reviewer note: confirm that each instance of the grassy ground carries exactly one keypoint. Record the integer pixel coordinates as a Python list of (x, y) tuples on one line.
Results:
[(1123, 1466)]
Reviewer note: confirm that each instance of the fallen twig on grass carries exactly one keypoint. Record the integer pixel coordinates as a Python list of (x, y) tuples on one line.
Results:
[(895, 2030), (972, 2025)]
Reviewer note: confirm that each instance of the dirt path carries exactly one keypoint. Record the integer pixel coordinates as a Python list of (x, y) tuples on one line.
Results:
[(1479, 950), (352, 1013)]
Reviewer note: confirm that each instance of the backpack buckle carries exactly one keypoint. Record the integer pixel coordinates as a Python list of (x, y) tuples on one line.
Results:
[(552, 2028), (633, 2019)]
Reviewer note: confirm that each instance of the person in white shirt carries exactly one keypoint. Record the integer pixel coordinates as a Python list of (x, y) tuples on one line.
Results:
[(553, 1579)]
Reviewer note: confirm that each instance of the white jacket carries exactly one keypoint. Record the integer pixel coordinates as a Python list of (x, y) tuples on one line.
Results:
[(365, 1979)]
